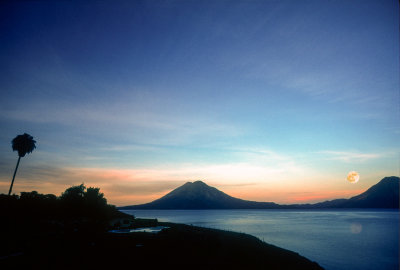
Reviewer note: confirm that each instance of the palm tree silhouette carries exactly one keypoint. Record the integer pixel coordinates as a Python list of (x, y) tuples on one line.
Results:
[(24, 144)]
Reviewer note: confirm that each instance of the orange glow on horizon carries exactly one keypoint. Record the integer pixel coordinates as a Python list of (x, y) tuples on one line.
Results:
[(344, 194), (138, 186)]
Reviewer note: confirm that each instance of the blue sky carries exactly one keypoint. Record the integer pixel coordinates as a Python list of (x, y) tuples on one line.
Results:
[(266, 100)]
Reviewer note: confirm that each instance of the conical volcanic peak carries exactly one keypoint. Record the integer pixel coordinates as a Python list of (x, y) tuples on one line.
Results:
[(199, 195), (197, 192), (199, 182)]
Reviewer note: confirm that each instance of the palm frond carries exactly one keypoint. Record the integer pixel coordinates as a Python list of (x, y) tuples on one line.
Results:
[(24, 144)]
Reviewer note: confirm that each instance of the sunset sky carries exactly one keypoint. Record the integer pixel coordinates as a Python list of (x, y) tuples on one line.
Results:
[(264, 100)]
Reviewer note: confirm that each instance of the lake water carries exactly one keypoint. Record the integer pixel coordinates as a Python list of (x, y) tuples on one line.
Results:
[(336, 240)]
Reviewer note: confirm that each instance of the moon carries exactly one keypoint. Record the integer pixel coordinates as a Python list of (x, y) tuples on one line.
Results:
[(353, 177)]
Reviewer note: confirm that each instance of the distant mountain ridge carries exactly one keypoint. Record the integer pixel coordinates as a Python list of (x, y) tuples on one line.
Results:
[(198, 195), (384, 194)]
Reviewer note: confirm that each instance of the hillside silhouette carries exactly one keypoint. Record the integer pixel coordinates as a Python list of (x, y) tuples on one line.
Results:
[(198, 195), (384, 194), (72, 231)]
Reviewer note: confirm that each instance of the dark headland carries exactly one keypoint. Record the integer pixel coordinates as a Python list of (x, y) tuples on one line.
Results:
[(72, 231), (198, 195)]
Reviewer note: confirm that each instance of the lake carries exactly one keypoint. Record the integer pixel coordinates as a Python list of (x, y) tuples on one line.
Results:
[(335, 239)]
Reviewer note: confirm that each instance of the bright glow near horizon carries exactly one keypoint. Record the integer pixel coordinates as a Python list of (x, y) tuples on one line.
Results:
[(265, 100)]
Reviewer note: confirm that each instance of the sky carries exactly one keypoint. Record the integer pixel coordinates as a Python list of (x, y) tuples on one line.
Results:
[(264, 100)]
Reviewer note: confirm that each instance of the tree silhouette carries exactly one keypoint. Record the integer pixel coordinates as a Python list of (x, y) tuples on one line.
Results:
[(24, 144), (74, 194)]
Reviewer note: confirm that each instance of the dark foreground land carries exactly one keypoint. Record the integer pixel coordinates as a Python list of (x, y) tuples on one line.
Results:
[(72, 232), (179, 247)]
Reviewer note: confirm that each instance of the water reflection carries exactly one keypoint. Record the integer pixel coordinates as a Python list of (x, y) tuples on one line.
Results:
[(355, 228), (337, 240)]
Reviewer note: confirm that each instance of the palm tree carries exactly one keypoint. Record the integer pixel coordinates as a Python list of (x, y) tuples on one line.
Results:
[(24, 144)]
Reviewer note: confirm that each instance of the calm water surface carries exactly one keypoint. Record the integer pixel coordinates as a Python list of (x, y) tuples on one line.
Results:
[(337, 240)]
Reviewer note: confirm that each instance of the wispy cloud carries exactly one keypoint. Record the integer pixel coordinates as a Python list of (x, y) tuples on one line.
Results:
[(282, 182), (349, 156), (142, 121), (261, 152), (138, 185)]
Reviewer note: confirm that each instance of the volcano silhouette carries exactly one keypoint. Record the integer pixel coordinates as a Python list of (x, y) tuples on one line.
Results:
[(198, 195)]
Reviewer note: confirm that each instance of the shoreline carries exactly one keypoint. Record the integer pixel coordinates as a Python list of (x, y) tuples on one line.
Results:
[(179, 246)]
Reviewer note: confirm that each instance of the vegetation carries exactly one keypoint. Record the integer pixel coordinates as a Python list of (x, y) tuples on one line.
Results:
[(71, 232), (24, 144), (78, 207)]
